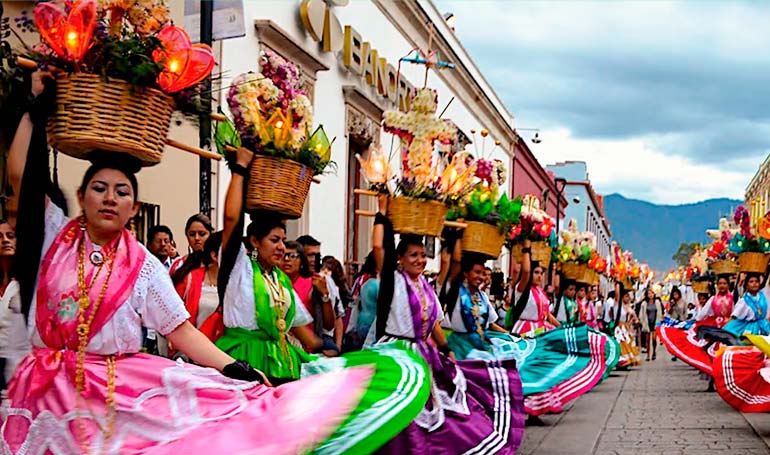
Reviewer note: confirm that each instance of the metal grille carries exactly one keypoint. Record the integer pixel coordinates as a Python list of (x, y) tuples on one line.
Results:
[(147, 217)]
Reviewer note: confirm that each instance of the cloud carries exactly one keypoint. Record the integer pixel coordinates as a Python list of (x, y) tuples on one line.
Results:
[(682, 80)]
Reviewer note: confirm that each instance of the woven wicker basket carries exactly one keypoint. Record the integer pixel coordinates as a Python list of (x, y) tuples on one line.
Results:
[(572, 271), (700, 287), (753, 262), (724, 267), (278, 185), (414, 216), (482, 238), (93, 114), (541, 253)]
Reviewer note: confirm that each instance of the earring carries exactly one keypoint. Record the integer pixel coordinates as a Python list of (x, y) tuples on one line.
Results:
[(254, 254), (132, 227), (82, 221)]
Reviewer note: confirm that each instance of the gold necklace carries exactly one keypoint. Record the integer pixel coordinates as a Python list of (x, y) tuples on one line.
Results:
[(423, 304), (476, 312), (278, 297), (83, 330)]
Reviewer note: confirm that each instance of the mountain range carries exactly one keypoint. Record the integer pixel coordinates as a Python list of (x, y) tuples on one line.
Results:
[(653, 232)]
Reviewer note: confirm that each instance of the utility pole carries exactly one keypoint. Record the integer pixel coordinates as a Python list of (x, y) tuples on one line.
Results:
[(204, 121)]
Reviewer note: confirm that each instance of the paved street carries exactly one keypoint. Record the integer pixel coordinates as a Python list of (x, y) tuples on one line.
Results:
[(658, 408)]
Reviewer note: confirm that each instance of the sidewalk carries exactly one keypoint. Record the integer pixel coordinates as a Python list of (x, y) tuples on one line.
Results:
[(658, 408)]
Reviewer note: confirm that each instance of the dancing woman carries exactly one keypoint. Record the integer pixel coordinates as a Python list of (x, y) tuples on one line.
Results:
[(475, 406), (749, 314), (85, 388)]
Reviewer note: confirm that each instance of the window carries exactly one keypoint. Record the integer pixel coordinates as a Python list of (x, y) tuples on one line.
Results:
[(147, 217)]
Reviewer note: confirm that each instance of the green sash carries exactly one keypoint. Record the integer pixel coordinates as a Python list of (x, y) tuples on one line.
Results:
[(261, 348)]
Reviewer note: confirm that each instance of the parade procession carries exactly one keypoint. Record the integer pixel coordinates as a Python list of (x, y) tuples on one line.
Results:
[(314, 227)]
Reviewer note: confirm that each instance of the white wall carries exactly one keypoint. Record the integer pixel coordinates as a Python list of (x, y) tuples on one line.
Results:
[(328, 200)]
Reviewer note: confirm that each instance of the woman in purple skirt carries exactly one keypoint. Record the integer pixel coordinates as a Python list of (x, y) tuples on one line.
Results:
[(475, 406)]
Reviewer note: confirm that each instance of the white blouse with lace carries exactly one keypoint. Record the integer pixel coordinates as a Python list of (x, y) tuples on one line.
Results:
[(239, 310), (400, 322), (154, 303)]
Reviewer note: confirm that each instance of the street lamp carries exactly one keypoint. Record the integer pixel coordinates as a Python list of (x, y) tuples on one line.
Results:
[(536, 138), (560, 184)]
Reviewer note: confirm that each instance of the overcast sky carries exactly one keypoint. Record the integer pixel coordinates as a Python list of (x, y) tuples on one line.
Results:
[(666, 101)]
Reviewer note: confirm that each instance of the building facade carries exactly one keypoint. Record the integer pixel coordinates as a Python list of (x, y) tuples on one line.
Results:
[(758, 191), (349, 55), (585, 205)]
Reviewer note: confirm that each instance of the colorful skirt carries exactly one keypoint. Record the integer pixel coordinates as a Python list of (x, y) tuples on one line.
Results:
[(629, 352), (611, 352), (261, 351), (562, 368), (167, 407), (740, 327), (742, 378), (475, 407), (527, 328), (685, 345)]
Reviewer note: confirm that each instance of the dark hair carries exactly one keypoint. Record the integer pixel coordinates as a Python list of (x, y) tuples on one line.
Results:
[(406, 241), (369, 267), (122, 162), (611, 295), (198, 258), (158, 229), (259, 229), (671, 294), (751, 275), (306, 240), (338, 273), (199, 218), (470, 260), (304, 265)]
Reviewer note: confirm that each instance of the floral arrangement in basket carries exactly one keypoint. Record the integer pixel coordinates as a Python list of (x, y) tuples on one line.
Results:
[(578, 247), (620, 267), (418, 130), (597, 263), (273, 116), (746, 241), (484, 203), (534, 224), (129, 40)]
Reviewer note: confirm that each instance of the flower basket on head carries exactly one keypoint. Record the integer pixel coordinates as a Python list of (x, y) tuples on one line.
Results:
[(483, 238), (272, 118), (92, 114), (487, 213), (700, 287), (572, 271), (752, 262), (414, 216), (724, 267), (278, 185), (105, 99), (541, 253)]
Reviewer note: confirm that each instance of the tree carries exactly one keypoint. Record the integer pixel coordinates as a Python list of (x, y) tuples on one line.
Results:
[(685, 252)]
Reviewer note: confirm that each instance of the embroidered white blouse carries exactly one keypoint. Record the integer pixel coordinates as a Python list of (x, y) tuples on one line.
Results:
[(153, 303), (239, 310), (455, 320)]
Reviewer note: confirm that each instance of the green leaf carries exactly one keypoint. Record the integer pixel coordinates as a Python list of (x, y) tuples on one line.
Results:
[(226, 134)]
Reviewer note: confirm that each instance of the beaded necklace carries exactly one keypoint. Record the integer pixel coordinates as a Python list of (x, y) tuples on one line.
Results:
[(424, 305), (83, 331), (476, 311), (280, 303)]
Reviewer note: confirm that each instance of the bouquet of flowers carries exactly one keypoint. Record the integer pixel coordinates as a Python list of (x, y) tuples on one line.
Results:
[(534, 224), (597, 263), (746, 241), (484, 203), (273, 116)]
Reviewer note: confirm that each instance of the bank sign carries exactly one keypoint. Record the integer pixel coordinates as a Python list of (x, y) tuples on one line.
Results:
[(357, 55)]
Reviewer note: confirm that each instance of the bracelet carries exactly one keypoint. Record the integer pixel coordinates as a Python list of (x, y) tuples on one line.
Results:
[(527, 250), (236, 168)]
